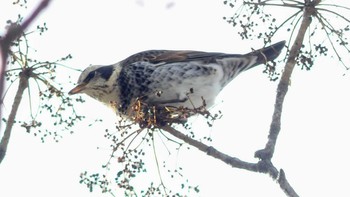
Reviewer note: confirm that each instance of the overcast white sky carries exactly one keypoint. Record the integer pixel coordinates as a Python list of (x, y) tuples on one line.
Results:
[(313, 146)]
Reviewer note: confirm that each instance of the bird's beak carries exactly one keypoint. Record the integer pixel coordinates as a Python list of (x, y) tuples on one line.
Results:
[(77, 89)]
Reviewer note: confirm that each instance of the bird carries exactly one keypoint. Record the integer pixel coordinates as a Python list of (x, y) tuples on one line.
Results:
[(176, 78)]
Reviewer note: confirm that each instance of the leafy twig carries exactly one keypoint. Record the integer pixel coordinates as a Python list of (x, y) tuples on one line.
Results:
[(12, 34), (14, 31)]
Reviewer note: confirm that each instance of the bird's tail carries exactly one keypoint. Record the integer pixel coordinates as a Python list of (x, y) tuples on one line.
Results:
[(233, 65), (267, 54)]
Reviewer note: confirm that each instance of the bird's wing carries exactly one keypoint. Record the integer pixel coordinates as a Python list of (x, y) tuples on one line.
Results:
[(144, 74), (169, 56)]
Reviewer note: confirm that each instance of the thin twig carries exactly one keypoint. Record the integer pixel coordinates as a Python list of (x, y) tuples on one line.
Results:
[(274, 4), (158, 166), (333, 5)]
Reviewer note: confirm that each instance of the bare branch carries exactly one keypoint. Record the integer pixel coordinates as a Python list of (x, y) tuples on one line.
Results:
[(275, 127), (232, 161), (23, 84), (264, 166), (285, 186)]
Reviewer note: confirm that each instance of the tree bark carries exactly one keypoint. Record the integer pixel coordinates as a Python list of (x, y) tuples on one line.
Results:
[(282, 89), (23, 84)]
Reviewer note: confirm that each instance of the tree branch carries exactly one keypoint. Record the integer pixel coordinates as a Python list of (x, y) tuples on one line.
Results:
[(285, 186), (282, 89), (23, 84), (14, 32), (263, 166), (211, 151)]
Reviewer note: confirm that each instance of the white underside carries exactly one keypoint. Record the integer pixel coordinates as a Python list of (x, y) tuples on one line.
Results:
[(205, 89)]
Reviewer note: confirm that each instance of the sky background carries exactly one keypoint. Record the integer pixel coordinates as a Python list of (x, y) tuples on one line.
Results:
[(313, 145)]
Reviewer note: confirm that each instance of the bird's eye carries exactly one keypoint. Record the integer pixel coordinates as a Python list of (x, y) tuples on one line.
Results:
[(89, 77)]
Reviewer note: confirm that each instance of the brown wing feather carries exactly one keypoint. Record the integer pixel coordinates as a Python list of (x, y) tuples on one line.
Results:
[(173, 56), (168, 56)]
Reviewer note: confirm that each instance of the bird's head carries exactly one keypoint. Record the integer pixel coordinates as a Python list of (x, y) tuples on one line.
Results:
[(95, 81)]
